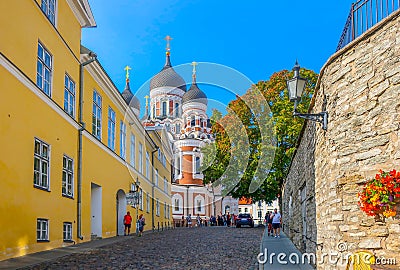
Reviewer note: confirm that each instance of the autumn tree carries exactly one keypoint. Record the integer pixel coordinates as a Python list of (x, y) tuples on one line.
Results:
[(255, 140)]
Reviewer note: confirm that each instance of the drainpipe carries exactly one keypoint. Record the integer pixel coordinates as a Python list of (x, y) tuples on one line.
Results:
[(81, 129), (152, 187)]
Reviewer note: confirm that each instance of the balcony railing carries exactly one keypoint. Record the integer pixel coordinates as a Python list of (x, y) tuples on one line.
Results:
[(363, 15)]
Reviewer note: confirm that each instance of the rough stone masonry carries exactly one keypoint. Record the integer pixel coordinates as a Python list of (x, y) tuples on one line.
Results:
[(362, 86)]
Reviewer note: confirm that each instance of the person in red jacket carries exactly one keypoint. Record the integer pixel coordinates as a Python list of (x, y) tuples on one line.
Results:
[(127, 223)]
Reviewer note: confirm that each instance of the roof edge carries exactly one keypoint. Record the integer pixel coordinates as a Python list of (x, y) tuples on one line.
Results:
[(82, 12)]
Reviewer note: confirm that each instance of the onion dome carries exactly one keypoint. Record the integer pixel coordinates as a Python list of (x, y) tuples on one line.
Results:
[(194, 94), (167, 77), (129, 98)]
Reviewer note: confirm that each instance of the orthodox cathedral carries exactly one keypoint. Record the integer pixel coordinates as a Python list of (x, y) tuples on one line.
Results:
[(182, 112)]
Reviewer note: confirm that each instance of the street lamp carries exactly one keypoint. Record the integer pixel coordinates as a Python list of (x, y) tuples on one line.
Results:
[(135, 189), (295, 88)]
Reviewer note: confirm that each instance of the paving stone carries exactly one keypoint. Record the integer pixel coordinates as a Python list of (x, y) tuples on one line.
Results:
[(181, 248)]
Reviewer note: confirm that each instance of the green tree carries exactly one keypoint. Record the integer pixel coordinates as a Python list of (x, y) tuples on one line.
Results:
[(254, 143)]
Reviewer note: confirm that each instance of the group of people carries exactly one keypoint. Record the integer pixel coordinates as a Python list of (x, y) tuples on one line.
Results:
[(219, 220), (274, 223), (128, 224)]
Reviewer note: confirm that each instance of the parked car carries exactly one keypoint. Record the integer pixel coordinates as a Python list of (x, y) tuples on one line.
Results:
[(244, 219)]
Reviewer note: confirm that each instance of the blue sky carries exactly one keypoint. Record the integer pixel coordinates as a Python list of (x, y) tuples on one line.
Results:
[(255, 38)]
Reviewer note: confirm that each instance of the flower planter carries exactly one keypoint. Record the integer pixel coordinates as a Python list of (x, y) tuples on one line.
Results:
[(380, 196)]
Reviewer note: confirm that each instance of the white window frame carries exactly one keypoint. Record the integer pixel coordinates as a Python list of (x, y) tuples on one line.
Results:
[(165, 185), (69, 95), (122, 142), (176, 206), (133, 151), (111, 128), (147, 165), (49, 9), (176, 109), (165, 209), (44, 69), (67, 232), (140, 157), (147, 202), (157, 207), (164, 109), (42, 230), (41, 173), (96, 115), (141, 199), (67, 187)]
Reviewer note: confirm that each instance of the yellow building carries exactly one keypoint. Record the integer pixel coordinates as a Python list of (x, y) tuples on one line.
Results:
[(72, 146)]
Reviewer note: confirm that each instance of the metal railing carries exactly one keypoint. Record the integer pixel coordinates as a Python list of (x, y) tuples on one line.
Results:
[(363, 15)]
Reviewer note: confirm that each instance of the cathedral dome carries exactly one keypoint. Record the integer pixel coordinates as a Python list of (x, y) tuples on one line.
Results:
[(167, 77), (194, 94), (129, 98)]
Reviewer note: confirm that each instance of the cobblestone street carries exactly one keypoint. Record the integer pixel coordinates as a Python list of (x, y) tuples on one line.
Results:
[(181, 248)]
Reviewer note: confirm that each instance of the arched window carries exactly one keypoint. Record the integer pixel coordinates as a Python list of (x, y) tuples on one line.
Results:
[(176, 109), (197, 169), (164, 108)]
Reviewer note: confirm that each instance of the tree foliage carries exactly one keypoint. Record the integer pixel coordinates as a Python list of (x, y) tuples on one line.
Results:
[(255, 140)]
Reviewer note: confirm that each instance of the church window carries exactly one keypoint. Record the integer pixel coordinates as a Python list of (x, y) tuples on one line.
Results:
[(164, 108), (176, 109), (176, 204)]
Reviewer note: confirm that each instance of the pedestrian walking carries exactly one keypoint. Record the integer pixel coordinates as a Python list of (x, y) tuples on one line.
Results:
[(183, 221), (189, 220), (127, 223), (276, 223), (141, 224), (198, 218), (268, 221)]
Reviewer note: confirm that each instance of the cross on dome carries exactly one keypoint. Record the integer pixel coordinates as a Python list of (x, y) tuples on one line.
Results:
[(168, 39), (127, 68)]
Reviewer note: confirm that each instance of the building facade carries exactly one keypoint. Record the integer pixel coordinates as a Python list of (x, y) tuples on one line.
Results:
[(72, 144)]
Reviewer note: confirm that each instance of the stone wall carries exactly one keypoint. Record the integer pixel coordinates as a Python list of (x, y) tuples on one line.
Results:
[(362, 86), (302, 175)]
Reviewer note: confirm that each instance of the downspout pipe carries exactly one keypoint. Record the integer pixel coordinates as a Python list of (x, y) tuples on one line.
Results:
[(80, 130), (152, 186)]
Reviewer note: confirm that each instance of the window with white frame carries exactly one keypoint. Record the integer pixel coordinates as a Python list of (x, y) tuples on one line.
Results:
[(157, 207), (122, 142), (41, 177), (140, 157), (111, 128), (133, 150), (147, 202), (165, 185), (69, 95), (68, 177), (165, 209), (49, 9), (197, 165), (42, 229), (67, 231), (164, 108), (147, 165), (44, 70), (141, 199), (156, 178), (199, 205), (96, 115), (176, 205), (176, 109)]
